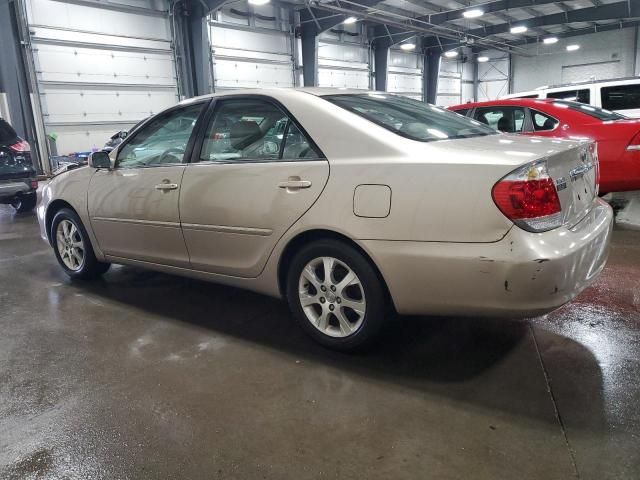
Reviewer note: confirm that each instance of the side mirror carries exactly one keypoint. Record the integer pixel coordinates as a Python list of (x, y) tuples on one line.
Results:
[(99, 160), (123, 134)]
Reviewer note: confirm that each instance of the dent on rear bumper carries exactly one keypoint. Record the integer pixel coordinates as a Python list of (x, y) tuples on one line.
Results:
[(524, 274)]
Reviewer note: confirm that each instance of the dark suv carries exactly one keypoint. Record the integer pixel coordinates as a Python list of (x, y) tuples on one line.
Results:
[(18, 182)]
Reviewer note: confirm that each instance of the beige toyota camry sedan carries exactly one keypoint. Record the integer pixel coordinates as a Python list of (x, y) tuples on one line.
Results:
[(348, 204)]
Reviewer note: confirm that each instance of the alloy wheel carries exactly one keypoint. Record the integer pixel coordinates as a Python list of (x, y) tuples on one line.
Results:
[(332, 297), (70, 245)]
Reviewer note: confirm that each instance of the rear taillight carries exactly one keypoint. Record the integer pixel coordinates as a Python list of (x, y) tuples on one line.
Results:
[(528, 197), (634, 144), (20, 147), (34, 184)]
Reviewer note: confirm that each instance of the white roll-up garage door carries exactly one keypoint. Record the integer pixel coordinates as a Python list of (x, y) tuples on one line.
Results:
[(405, 74), (99, 69), (343, 63), (449, 83), (251, 47)]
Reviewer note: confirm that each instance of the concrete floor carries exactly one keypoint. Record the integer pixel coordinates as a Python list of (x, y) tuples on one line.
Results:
[(146, 375)]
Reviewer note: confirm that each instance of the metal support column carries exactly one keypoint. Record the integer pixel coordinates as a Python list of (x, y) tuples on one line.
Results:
[(381, 61), (14, 79), (430, 75), (309, 39), (200, 50)]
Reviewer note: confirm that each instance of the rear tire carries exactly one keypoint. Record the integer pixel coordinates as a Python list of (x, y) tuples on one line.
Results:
[(25, 203), (344, 309), (73, 248)]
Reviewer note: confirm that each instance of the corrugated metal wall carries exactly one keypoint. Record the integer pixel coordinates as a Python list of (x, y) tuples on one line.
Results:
[(99, 69)]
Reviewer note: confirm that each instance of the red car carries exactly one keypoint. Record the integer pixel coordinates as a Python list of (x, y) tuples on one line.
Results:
[(617, 136)]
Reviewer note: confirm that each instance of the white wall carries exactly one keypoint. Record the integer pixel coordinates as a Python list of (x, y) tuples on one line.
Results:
[(601, 55)]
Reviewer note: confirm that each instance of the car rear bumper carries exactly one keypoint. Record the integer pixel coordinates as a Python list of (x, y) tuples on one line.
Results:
[(10, 189), (524, 274)]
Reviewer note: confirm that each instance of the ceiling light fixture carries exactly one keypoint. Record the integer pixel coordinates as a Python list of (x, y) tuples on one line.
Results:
[(350, 20), (408, 46), (572, 48), (451, 54), (483, 59), (519, 29), (550, 40), (259, 2), (473, 13)]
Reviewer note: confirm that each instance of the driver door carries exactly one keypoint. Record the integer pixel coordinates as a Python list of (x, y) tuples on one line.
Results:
[(134, 206)]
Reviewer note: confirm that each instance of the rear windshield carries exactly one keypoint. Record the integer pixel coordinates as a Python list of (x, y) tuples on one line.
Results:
[(7, 133), (411, 118), (595, 112)]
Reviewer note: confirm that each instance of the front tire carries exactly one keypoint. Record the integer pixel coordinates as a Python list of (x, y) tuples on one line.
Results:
[(73, 248), (25, 203), (336, 295)]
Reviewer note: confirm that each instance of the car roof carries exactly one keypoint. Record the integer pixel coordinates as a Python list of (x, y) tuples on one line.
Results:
[(317, 91)]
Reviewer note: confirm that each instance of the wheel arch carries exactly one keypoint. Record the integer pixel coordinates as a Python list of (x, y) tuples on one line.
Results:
[(54, 207), (308, 236)]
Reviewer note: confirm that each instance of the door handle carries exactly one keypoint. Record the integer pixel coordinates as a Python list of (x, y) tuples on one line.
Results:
[(295, 184), (166, 186)]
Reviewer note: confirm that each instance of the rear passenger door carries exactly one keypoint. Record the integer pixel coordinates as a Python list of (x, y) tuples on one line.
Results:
[(254, 172), (505, 119)]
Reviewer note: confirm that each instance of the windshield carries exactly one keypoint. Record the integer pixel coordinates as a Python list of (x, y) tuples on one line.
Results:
[(410, 118), (595, 112)]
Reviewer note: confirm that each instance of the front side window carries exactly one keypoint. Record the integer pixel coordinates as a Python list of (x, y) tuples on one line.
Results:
[(410, 118), (580, 95), (542, 122), (621, 97), (461, 111), (162, 141), (253, 129), (505, 119)]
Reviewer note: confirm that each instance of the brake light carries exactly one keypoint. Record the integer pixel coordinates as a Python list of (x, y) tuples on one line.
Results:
[(20, 147), (634, 144), (34, 184), (528, 197)]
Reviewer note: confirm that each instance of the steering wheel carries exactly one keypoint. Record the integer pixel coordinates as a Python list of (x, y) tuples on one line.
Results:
[(171, 152)]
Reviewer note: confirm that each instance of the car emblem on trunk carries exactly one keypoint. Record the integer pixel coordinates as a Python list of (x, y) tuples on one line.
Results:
[(561, 184)]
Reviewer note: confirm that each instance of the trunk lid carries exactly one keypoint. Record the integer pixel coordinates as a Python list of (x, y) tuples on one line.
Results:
[(575, 173)]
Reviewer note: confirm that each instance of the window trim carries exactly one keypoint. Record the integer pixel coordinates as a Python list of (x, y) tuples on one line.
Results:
[(167, 111), (212, 110)]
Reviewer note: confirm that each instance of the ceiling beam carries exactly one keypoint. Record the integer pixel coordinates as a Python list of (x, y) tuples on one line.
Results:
[(611, 11), (493, 7)]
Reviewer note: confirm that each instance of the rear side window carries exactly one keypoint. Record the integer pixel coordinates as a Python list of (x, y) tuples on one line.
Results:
[(7, 133), (542, 122), (620, 97), (410, 118), (505, 119), (580, 96)]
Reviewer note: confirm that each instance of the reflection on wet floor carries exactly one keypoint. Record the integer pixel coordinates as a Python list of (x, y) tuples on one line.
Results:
[(146, 375)]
